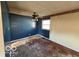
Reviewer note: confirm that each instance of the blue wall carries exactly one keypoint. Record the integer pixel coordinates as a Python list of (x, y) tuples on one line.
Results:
[(45, 33), (6, 24), (17, 26), (21, 26), (39, 26), (42, 31)]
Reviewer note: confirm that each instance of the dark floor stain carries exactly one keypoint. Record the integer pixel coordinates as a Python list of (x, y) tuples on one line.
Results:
[(39, 47)]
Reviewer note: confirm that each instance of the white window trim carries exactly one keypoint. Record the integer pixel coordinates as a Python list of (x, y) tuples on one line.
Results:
[(43, 22)]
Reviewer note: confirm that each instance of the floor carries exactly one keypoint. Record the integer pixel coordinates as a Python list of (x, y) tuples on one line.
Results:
[(38, 46)]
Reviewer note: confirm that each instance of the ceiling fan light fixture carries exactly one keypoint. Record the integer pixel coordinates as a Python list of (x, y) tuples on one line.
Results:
[(35, 16)]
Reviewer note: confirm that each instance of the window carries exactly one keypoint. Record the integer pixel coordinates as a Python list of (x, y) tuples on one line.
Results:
[(33, 24), (46, 24)]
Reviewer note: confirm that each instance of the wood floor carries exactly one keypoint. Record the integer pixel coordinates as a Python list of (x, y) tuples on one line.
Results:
[(36, 46)]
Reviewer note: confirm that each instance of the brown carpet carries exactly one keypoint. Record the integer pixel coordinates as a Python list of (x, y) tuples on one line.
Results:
[(40, 47)]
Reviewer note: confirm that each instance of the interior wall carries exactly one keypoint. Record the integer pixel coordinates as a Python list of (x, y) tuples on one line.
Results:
[(6, 23), (45, 33), (65, 30), (2, 53), (21, 26), (42, 31)]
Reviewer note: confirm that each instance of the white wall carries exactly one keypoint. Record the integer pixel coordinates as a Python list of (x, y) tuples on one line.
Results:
[(65, 30), (2, 53)]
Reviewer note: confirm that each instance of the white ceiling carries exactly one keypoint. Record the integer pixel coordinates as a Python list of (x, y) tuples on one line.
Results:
[(44, 8)]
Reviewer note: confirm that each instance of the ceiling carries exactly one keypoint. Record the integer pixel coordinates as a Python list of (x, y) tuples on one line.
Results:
[(44, 8)]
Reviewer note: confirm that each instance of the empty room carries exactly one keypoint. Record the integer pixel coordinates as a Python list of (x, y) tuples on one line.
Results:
[(39, 28)]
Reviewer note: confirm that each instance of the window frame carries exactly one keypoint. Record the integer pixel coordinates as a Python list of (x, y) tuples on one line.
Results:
[(43, 24)]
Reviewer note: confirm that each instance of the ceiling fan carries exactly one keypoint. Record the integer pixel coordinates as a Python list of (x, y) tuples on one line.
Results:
[(35, 16)]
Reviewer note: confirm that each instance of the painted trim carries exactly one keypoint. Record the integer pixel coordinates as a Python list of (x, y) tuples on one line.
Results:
[(61, 13), (27, 38)]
